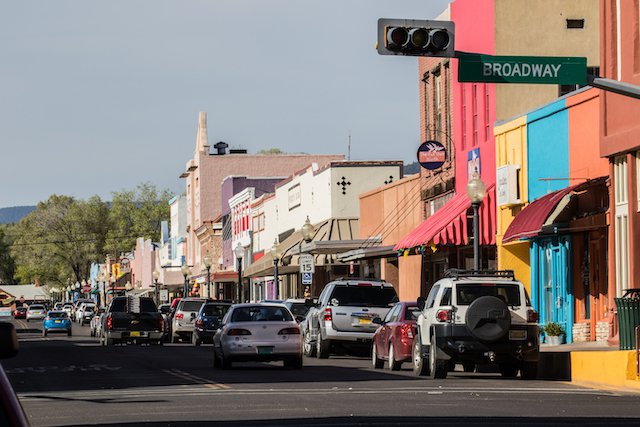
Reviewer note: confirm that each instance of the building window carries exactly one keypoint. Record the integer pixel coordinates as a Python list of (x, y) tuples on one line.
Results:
[(447, 107), (425, 80), (437, 82), (464, 116), (474, 101), (575, 23), (621, 196), (487, 128)]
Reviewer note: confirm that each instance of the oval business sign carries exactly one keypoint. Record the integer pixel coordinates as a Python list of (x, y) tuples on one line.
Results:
[(431, 155)]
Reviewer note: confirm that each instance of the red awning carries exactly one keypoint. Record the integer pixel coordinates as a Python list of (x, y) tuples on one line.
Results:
[(448, 226), (530, 220)]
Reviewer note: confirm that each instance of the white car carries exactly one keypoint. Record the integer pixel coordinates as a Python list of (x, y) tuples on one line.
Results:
[(258, 332), (85, 312), (36, 312), (68, 307)]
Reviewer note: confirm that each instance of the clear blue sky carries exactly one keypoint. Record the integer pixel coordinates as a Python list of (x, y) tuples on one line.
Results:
[(98, 96)]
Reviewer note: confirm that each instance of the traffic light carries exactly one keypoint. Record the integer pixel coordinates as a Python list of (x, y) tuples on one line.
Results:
[(412, 37)]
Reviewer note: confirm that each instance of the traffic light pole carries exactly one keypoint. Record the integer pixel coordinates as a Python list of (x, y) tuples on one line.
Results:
[(621, 88)]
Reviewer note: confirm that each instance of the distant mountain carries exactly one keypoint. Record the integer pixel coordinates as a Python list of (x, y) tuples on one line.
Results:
[(14, 213), (412, 168)]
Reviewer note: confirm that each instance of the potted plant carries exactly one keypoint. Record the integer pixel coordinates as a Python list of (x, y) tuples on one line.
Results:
[(554, 333)]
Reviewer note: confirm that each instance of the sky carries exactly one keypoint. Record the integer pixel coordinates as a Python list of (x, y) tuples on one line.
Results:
[(101, 96)]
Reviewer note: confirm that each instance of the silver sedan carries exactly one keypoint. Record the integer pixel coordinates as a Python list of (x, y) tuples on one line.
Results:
[(258, 332)]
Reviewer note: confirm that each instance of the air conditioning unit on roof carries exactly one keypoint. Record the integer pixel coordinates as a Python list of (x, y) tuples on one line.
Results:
[(508, 185)]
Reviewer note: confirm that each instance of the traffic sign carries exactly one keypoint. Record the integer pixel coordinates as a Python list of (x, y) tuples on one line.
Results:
[(306, 264), (557, 70), (307, 278)]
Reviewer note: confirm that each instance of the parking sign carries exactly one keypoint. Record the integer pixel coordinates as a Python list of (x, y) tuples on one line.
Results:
[(307, 278)]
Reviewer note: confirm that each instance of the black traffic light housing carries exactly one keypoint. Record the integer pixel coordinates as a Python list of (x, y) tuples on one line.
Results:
[(411, 37)]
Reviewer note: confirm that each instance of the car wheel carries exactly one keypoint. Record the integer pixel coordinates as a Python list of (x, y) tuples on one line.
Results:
[(293, 363), (225, 362), (469, 367), (508, 370), (437, 367), (529, 371), (175, 339), (69, 333), (375, 360), (27, 320), (216, 360), (322, 348), (392, 363), (420, 364), (109, 342), (44, 332), (308, 348)]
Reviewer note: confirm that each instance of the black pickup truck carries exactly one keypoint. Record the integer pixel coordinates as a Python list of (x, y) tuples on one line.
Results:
[(132, 319)]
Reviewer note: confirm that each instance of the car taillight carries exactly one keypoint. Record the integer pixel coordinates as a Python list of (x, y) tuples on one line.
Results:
[(407, 330), (289, 331), (236, 332), (179, 316), (199, 323), (161, 324), (109, 322), (532, 316), (327, 314), (443, 315)]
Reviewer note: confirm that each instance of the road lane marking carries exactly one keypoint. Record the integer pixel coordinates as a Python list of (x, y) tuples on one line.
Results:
[(198, 380)]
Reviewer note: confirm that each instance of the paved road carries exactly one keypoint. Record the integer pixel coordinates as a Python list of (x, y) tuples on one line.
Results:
[(73, 381)]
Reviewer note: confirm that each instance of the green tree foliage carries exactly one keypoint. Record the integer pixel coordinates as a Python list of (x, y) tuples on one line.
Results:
[(136, 213), (60, 239), (7, 263), (271, 151)]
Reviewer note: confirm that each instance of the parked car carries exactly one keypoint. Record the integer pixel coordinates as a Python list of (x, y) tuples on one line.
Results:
[(85, 313), (56, 321), (20, 313), (258, 332), (299, 307), (168, 333), (58, 306), (131, 319), (96, 322), (11, 412), (393, 341), (208, 321), (77, 304), (68, 307), (344, 315), (184, 318), (472, 317), (36, 312)]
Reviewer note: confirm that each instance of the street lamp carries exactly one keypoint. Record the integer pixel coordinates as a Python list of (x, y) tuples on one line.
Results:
[(128, 287), (186, 271), (239, 252), (275, 254), (156, 276), (476, 190), (207, 266)]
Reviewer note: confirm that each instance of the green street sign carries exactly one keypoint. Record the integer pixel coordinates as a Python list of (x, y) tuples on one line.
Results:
[(557, 70)]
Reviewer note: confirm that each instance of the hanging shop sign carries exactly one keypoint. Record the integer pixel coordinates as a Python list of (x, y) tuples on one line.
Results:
[(431, 155)]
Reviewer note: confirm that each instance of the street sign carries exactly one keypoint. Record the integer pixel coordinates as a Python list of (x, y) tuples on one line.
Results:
[(306, 264), (557, 70), (307, 278), (164, 295)]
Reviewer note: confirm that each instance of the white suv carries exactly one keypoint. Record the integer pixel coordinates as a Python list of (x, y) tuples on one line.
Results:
[(472, 317)]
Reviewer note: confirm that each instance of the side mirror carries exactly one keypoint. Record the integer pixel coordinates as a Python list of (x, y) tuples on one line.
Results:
[(8, 340), (421, 303), (377, 321)]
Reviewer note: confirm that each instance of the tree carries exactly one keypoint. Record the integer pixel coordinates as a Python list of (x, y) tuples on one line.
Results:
[(7, 263), (136, 213), (271, 151), (60, 239)]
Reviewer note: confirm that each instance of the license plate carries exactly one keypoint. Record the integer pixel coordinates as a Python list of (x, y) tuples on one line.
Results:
[(265, 350), (362, 321), (58, 321), (134, 334), (518, 335)]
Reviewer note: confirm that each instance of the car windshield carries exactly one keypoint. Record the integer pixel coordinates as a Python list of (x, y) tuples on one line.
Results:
[(469, 292), (261, 314), (58, 315), (191, 305), (411, 312), (215, 310), (147, 305), (298, 308), (367, 296)]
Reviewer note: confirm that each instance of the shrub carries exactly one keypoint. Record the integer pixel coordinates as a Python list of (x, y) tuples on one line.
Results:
[(553, 329)]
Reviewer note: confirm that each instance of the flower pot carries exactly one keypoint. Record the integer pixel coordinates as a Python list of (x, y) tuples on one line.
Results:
[(554, 339)]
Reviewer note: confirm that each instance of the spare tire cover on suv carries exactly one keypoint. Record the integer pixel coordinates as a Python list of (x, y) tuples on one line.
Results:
[(488, 318)]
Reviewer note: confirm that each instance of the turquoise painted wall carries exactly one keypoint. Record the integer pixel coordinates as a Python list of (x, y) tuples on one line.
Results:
[(547, 148)]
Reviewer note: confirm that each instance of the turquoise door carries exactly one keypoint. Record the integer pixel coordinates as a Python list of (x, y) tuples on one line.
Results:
[(552, 294)]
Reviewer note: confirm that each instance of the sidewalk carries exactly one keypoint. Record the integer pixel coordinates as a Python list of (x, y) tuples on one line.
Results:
[(591, 364)]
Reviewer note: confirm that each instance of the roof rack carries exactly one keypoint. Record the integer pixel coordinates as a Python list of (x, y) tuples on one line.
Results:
[(457, 272)]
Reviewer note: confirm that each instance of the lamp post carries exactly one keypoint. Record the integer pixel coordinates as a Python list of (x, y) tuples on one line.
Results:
[(275, 254), (207, 266), (308, 230), (239, 252), (185, 272), (128, 287), (103, 279), (476, 190), (156, 276)]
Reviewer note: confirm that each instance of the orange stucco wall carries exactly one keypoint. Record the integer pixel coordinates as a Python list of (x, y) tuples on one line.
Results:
[(584, 136), (409, 277)]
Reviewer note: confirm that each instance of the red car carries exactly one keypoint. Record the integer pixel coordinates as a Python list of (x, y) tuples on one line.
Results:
[(393, 341), (20, 313)]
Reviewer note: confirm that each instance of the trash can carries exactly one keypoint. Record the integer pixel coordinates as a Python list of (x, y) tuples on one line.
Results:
[(628, 318)]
